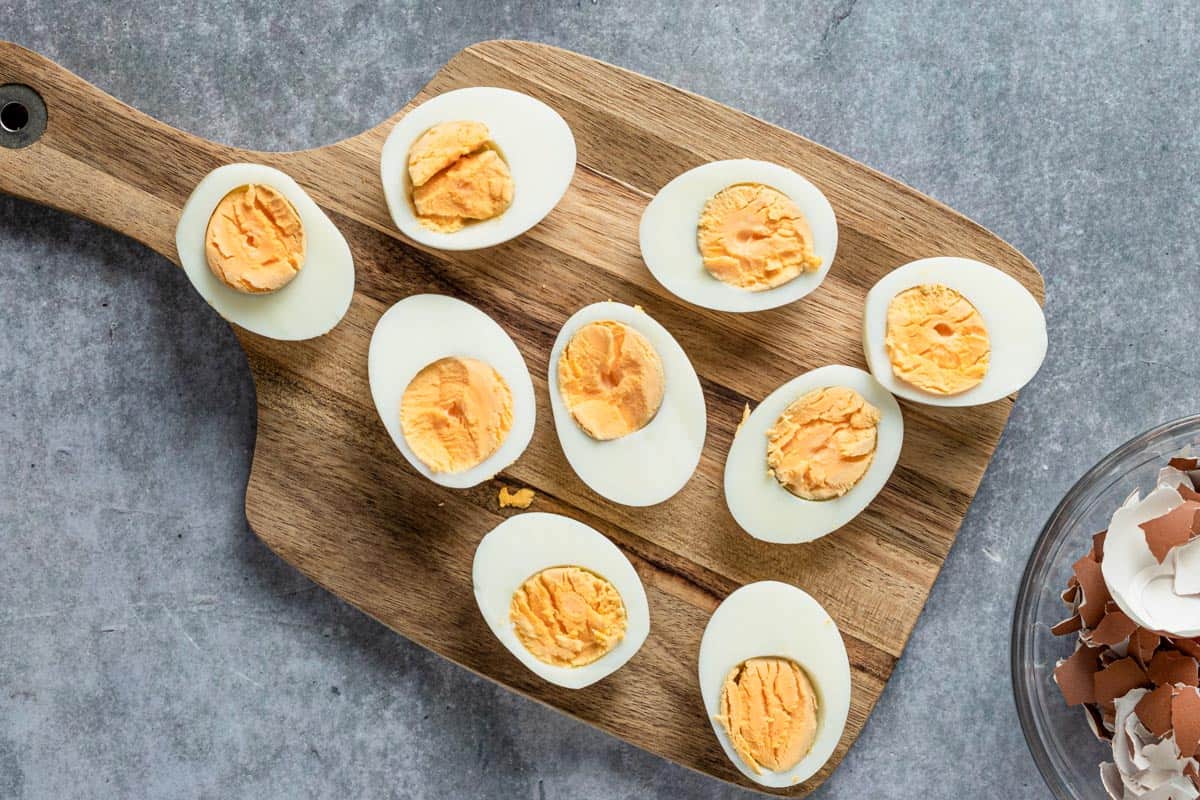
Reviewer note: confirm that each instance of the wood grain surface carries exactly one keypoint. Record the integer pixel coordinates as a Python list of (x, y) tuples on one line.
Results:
[(331, 495)]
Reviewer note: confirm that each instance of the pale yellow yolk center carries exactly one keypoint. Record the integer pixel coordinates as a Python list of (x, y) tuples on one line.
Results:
[(611, 379), (936, 340), (568, 616), (755, 237), (254, 242), (458, 176), (823, 443), (455, 413), (769, 711)]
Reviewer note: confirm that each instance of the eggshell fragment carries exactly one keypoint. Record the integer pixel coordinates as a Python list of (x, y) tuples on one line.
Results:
[(1141, 585), (1117, 680), (1076, 675), (1114, 628), (1187, 568), (1169, 666)]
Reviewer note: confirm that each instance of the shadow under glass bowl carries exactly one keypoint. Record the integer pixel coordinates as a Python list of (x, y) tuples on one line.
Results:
[(1066, 752)]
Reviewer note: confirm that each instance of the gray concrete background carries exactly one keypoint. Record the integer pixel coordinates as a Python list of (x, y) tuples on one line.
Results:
[(151, 647)]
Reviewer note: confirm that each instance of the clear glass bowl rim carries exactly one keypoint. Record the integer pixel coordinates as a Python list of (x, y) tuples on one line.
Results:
[(1031, 581)]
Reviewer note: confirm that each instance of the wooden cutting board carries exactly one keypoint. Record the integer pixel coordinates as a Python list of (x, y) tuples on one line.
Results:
[(330, 493)]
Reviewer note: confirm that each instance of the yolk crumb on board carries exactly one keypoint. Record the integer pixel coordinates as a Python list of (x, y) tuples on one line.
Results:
[(521, 498)]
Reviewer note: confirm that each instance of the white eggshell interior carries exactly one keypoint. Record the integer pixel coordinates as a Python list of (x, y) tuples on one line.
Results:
[(672, 254), (536, 142), (526, 544), (423, 328), (1143, 588), (652, 464), (313, 303), (1015, 322), (769, 512), (770, 618)]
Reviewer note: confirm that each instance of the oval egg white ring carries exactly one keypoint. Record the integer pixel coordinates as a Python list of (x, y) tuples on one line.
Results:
[(1015, 323), (526, 544), (669, 228), (313, 303), (770, 618), (652, 464), (536, 142), (769, 512), (423, 328)]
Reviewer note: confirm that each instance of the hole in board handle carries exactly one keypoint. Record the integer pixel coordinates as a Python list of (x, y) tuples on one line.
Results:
[(22, 115)]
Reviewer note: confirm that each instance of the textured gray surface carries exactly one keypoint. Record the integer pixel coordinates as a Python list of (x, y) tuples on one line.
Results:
[(151, 647)]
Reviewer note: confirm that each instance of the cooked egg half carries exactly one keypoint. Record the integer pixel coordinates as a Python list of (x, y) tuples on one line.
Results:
[(311, 280), (775, 680), (537, 571), (739, 235), (658, 455), (951, 331), (517, 174), (451, 388), (793, 476)]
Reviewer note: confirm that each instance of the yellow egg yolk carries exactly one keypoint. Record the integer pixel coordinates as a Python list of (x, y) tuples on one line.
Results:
[(769, 711), (519, 498), (457, 176), (754, 237), (823, 443), (936, 340), (455, 413), (568, 616), (610, 379), (254, 242)]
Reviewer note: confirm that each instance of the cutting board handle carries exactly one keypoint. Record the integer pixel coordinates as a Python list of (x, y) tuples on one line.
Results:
[(68, 145)]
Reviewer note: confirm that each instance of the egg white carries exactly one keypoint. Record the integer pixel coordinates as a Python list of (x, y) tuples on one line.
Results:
[(313, 303), (652, 464), (536, 142), (670, 222), (423, 328), (526, 544), (1015, 323), (770, 512), (767, 619)]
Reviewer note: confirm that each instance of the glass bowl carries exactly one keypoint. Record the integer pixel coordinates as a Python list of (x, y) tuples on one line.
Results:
[(1066, 751)]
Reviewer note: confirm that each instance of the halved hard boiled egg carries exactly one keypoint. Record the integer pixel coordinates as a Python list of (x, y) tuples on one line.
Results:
[(475, 167), (451, 388), (627, 404), (812, 455), (561, 597), (263, 254), (775, 680), (739, 235), (951, 331)]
